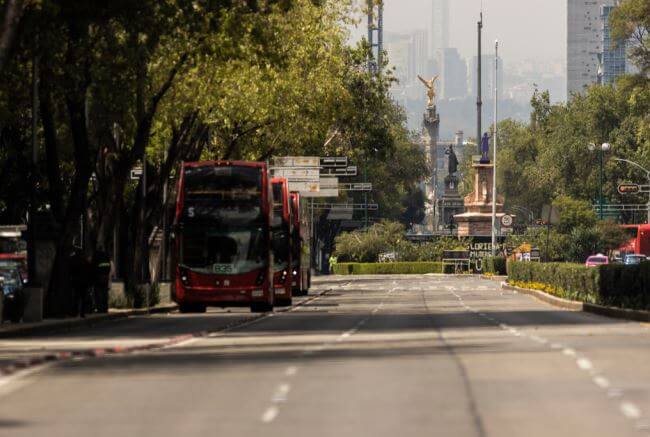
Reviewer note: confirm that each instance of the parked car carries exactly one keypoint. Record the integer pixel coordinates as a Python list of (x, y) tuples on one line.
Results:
[(633, 259), (11, 283), (597, 260)]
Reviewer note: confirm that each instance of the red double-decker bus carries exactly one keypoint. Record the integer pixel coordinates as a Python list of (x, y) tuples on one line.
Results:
[(639, 242), (300, 271), (281, 234), (222, 236)]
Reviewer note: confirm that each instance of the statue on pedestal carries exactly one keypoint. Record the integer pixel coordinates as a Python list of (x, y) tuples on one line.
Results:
[(431, 90), (485, 149), (453, 161)]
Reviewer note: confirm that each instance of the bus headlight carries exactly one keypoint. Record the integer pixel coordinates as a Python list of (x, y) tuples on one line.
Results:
[(284, 275), (294, 273), (185, 277)]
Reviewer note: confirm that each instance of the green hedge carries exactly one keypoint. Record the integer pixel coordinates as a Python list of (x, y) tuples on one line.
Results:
[(495, 265), (387, 268), (611, 285)]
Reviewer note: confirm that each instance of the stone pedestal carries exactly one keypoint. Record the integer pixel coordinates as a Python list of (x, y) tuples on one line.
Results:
[(477, 218), (430, 134), (451, 203)]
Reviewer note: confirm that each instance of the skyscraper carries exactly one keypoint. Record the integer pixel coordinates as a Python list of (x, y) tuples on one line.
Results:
[(584, 43), (418, 55), (439, 26), (614, 57), (453, 74)]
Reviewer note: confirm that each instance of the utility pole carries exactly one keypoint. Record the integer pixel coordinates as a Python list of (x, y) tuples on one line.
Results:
[(494, 147), (479, 102)]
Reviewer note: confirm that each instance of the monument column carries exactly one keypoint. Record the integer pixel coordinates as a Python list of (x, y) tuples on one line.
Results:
[(430, 136)]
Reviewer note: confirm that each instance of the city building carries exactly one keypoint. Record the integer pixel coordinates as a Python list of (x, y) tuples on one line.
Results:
[(453, 74), (439, 26), (419, 54), (584, 43), (614, 58)]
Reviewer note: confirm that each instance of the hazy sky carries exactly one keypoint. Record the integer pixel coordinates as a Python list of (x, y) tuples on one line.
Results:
[(526, 29)]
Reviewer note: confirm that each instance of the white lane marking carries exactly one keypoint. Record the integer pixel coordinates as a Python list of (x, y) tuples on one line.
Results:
[(503, 326), (584, 364), (601, 381), (538, 339), (281, 393), (270, 414), (11, 383), (615, 393), (556, 346), (291, 370), (630, 410), (569, 352)]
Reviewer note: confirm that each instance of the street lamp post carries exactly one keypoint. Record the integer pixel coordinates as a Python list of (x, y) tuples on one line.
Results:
[(494, 147), (601, 150), (647, 175)]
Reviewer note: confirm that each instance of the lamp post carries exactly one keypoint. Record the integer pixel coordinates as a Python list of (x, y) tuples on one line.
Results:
[(601, 150), (647, 175), (494, 147)]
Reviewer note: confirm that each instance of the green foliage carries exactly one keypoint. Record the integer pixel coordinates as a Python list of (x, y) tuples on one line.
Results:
[(495, 265), (570, 281), (396, 268), (386, 237), (362, 246), (630, 22), (614, 285)]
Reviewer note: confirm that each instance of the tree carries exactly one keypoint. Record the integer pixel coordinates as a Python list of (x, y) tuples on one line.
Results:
[(630, 24)]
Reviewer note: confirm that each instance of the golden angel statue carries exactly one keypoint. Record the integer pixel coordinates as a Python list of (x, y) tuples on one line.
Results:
[(431, 90)]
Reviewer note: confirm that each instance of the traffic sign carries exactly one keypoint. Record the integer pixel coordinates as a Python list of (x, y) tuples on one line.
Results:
[(333, 162), (136, 173), (296, 161), (506, 220), (297, 174), (329, 187), (306, 189), (629, 188), (341, 171)]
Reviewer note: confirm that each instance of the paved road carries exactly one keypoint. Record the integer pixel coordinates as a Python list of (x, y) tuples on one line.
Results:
[(375, 356)]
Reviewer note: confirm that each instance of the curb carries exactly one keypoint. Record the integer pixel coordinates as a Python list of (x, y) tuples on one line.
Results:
[(497, 278), (548, 298), (51, 326), (601, 310), (30, 363)]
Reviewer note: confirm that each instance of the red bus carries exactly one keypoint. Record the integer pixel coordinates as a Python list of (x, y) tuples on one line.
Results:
[(639, 242), (300, 272), (222, 236), (281, 231), (13, 249)]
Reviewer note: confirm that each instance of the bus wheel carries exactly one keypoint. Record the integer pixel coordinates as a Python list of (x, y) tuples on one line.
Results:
[(261, 307), (191, 308)]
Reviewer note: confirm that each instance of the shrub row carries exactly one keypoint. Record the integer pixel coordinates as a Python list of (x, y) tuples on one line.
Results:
[(570, 281), (495, 265), (611, 285), (387, 268)]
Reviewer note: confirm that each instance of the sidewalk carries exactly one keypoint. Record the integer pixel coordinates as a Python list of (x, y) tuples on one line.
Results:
[(10, 330)]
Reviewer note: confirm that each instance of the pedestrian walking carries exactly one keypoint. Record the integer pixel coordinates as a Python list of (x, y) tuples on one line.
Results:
[(332, 261)]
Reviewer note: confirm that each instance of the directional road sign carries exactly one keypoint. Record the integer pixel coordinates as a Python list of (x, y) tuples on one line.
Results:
[(334, 162), (296, 161), (340, 171), (297, 174), (329, 187)]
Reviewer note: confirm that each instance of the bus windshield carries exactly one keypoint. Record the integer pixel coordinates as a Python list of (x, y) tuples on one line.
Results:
[(223, 251), (223, 196), (222, 221), (280, 230)]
